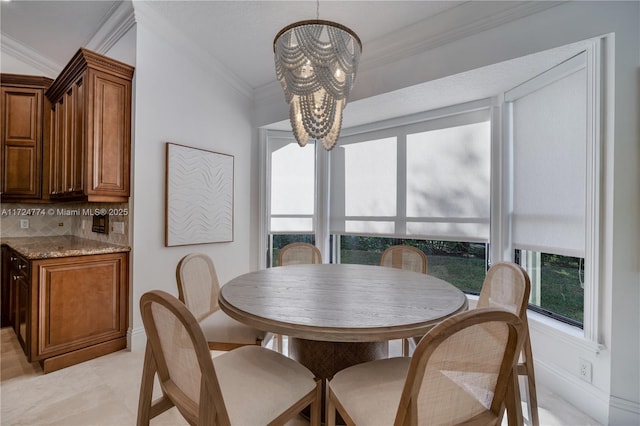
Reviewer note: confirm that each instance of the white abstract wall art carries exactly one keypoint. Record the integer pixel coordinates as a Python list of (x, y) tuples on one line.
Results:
[(199, 196)]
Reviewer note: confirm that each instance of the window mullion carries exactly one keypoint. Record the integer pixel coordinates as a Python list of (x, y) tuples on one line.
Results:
[(401, 184)]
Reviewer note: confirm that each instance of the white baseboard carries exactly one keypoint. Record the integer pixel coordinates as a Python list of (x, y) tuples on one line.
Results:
[(136, 339), (585, 397), (624, 412)]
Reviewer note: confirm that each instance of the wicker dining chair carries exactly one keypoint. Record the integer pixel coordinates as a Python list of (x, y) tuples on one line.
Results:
[(409, 258), (299, 254), (507, 285), (459, 373), (250, 385), (198, 289), (405, 257)]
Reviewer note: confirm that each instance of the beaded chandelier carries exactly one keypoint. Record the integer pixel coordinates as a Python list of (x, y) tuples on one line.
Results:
[(316, 63)]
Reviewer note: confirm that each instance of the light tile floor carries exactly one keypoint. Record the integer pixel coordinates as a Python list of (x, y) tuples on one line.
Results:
[(104, 392)]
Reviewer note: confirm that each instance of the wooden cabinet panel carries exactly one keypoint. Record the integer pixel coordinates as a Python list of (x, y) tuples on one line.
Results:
[(22, 319), (110, 140), (56, 182), (16, 296), (22, 174), (67, 310), (21, 108), (66, 179), (97, 138), (82, 127), (21, 142), (5, 289), (83, 302), (77, 160)]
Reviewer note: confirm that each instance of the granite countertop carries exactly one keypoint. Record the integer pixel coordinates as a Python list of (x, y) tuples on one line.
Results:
[(60, 246)]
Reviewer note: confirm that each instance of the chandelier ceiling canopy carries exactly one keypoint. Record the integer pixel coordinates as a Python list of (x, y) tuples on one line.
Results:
[(316, 63)]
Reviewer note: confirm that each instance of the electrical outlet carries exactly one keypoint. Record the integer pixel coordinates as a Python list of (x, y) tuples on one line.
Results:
[(584, 370), (24, 223), (118, 227)]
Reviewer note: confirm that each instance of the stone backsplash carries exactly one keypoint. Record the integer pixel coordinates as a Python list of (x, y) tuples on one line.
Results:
[(64, 219)]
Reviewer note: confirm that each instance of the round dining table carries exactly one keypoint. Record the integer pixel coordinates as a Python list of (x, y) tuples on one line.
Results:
[(338, 315)]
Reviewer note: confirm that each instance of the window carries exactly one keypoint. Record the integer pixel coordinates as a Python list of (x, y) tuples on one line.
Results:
[(548, 215), (427, 180), (557, 285), (424, 184), (292, 195), (452, 181)]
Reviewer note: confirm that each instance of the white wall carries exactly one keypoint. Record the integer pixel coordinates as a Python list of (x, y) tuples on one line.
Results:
[(124, 50), (12, 65), (179, 100)]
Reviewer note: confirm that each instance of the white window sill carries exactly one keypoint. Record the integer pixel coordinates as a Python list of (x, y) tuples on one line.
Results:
[(539, 323)]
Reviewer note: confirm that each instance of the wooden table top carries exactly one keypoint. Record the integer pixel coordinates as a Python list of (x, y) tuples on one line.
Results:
[(341, 303)]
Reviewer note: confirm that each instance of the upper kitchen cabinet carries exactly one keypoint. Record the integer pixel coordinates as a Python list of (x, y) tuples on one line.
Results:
[(90, 132), (23, 130)]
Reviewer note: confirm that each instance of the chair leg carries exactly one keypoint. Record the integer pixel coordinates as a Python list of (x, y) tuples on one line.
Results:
[(146, 388), (330, 415), (512, 401), (405, 347), (532, 398), (280, 343), (316, 406), (148, 409)]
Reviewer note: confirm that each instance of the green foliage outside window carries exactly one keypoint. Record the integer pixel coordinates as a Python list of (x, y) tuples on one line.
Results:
[(460, 263)]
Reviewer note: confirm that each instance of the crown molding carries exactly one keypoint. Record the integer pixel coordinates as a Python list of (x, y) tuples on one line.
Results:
[(146, 15), (120, 20), (463, 21), (14, 48), (454, 24)]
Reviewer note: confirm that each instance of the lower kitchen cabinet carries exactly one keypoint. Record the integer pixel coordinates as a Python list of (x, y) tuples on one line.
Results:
[(71, 309)]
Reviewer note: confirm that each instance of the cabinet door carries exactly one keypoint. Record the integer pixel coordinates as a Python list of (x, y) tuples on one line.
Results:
[(5, 317), (82, 302), (21, 142), (22, 324), (67, 153), (76, 161), (109, 136), (56, 149)]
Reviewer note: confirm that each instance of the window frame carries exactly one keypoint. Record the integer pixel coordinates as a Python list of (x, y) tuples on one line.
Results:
[(320, 216), (401, 128), (594, 168)]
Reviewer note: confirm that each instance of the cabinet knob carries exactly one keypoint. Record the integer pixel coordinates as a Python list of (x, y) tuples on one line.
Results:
[(15, 277), (13, 258), (22, 266)]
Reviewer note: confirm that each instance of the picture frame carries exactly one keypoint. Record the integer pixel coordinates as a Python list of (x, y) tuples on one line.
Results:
[(199, 196)]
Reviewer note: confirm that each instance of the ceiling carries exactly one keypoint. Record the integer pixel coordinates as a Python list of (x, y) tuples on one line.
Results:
[(56, 29), (239, 34)]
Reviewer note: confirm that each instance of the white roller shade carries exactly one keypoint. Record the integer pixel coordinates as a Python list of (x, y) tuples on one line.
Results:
[(549, 161), (448, 183), (364, 187), (292, 186), (427, 180)]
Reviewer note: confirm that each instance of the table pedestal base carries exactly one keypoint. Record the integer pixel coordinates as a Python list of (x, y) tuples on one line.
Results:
[(325, 359)]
